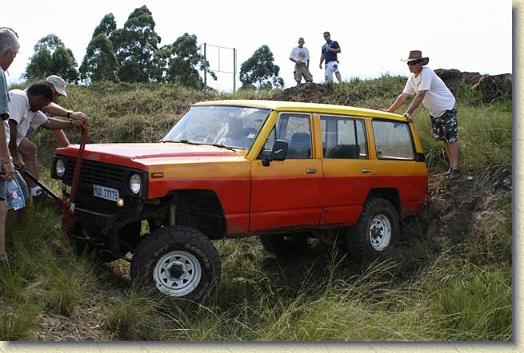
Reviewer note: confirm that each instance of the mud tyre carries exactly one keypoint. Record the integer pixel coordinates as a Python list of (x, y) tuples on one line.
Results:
[(375, 232), (177, 261)]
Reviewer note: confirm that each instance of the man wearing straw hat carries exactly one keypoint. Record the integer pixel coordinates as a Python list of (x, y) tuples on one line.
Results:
[(431, 91)]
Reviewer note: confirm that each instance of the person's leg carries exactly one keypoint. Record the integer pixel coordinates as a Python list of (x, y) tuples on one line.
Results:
[(297, 74), (28, 150), (329, 72), (339, 78), (3, 213), (453, 152)]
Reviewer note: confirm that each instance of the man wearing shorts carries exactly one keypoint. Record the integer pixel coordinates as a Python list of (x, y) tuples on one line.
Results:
[(329, 53), (9, 46), (431, 91), (300, 56)]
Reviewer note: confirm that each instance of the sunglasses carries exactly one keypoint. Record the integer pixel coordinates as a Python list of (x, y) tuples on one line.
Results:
[(414, 62)]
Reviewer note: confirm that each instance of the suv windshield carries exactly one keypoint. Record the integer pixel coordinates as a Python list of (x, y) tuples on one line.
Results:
[(233, 127)]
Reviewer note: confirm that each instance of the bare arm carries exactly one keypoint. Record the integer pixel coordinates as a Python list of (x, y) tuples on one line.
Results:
[(57, 124), (416, 102), (7, 166), (321, 60), (13, 132), (398, 102), (61, 138), (56, 110)]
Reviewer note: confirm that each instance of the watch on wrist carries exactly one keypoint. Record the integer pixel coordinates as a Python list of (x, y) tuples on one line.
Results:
[(69, 114)]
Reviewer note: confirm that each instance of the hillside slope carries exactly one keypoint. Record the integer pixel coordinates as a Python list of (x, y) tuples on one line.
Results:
[(449, 277)]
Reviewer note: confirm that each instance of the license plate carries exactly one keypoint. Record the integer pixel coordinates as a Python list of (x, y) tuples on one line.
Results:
[(106, 193)]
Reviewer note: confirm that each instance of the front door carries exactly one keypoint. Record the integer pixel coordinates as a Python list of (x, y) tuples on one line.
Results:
[(287, 194)]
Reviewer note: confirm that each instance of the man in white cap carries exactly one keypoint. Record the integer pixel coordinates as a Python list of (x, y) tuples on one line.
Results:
[(28, 150), (432, 92)]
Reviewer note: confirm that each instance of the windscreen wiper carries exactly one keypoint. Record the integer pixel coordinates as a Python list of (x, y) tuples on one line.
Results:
[(222, 146)]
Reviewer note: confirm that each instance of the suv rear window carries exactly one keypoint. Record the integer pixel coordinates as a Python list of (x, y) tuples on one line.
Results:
[(393, 140)]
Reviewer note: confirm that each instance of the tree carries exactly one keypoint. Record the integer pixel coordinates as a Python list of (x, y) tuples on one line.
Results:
[(106, 26), (135, 46), (182, 62), (259, 69), (51, 57), (100, 61)]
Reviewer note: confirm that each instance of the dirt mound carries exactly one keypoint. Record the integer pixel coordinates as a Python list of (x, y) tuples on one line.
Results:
[(305, 92), (491, 87)]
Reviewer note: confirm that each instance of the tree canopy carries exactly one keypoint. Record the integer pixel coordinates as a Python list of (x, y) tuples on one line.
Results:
[(51, 57), (135, 46), (100, 62), (260, 70), (182, 62)]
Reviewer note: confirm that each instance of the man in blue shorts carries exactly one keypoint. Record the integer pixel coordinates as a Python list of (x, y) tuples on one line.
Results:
[(432, 92), (329, 53)]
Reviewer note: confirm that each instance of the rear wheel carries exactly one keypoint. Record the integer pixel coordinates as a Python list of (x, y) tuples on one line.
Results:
[(375, 232), (178, 261)]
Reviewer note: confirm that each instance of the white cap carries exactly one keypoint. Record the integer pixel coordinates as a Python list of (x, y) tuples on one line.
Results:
[(58, 84)]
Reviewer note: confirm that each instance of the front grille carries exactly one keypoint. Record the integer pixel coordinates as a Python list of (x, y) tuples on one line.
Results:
[(92, 172), (95, 173)]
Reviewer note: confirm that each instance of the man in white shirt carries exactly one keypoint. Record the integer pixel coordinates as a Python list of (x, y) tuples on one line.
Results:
[(432, 92), (300, 56), (28, 150), (25, 112)]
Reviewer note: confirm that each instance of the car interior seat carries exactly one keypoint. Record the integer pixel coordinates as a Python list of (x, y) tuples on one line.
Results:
[(300, 146)]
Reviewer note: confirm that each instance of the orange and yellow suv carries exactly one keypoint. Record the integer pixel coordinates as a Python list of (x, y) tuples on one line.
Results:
[(283, 171)]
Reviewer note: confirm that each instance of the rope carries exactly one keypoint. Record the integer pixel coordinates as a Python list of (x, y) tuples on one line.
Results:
[(68, 216)]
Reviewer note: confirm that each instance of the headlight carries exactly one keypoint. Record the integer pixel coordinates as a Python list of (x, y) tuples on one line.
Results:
[(135, 183), (60, 168)]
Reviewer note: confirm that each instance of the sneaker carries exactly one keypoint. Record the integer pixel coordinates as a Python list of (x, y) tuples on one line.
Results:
[(453, 173), (448, 172), (3, 259)]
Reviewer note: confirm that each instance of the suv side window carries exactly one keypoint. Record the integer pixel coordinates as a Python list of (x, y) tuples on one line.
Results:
[(393, 140), (343, 138), (296, 130)]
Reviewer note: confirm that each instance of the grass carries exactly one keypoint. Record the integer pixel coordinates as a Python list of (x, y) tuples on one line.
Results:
[(439, 285)]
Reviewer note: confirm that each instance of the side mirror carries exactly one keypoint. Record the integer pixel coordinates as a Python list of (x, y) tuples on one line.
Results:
[(278, 153)]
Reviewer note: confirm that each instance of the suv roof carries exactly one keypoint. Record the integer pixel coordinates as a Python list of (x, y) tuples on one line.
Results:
[(306, 107)]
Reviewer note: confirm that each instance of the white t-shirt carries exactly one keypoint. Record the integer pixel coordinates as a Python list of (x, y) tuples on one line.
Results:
[(300, 54), (438, 97), (20, 111)]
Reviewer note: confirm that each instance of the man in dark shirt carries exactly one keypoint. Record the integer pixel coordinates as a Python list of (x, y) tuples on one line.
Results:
[(329, 53)]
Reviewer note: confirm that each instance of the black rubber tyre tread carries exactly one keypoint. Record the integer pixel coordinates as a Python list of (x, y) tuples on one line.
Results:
[(357, 243), (185, 238), (284, 245)]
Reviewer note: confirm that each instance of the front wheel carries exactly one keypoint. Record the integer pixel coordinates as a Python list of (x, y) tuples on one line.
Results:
[(375, 232), (178, 261)]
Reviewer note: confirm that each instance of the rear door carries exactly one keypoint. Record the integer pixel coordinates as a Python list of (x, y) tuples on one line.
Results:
[(347, 168), (288, 193)]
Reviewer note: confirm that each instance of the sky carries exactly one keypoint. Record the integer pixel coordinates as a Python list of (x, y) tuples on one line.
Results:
[(469, 35)]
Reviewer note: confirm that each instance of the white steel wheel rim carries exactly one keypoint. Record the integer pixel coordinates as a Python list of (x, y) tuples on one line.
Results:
[(380, 232), (177, 273)]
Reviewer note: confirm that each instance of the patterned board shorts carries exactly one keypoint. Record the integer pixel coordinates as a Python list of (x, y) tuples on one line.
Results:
[(445, 127)]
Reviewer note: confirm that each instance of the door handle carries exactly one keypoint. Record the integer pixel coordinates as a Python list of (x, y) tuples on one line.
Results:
[(366, 170), (311, 170)]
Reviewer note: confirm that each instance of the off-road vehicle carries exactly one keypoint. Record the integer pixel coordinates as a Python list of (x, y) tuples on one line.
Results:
[(283, 171)]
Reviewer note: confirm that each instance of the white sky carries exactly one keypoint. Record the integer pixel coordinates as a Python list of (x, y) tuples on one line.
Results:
[(469, 35)]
